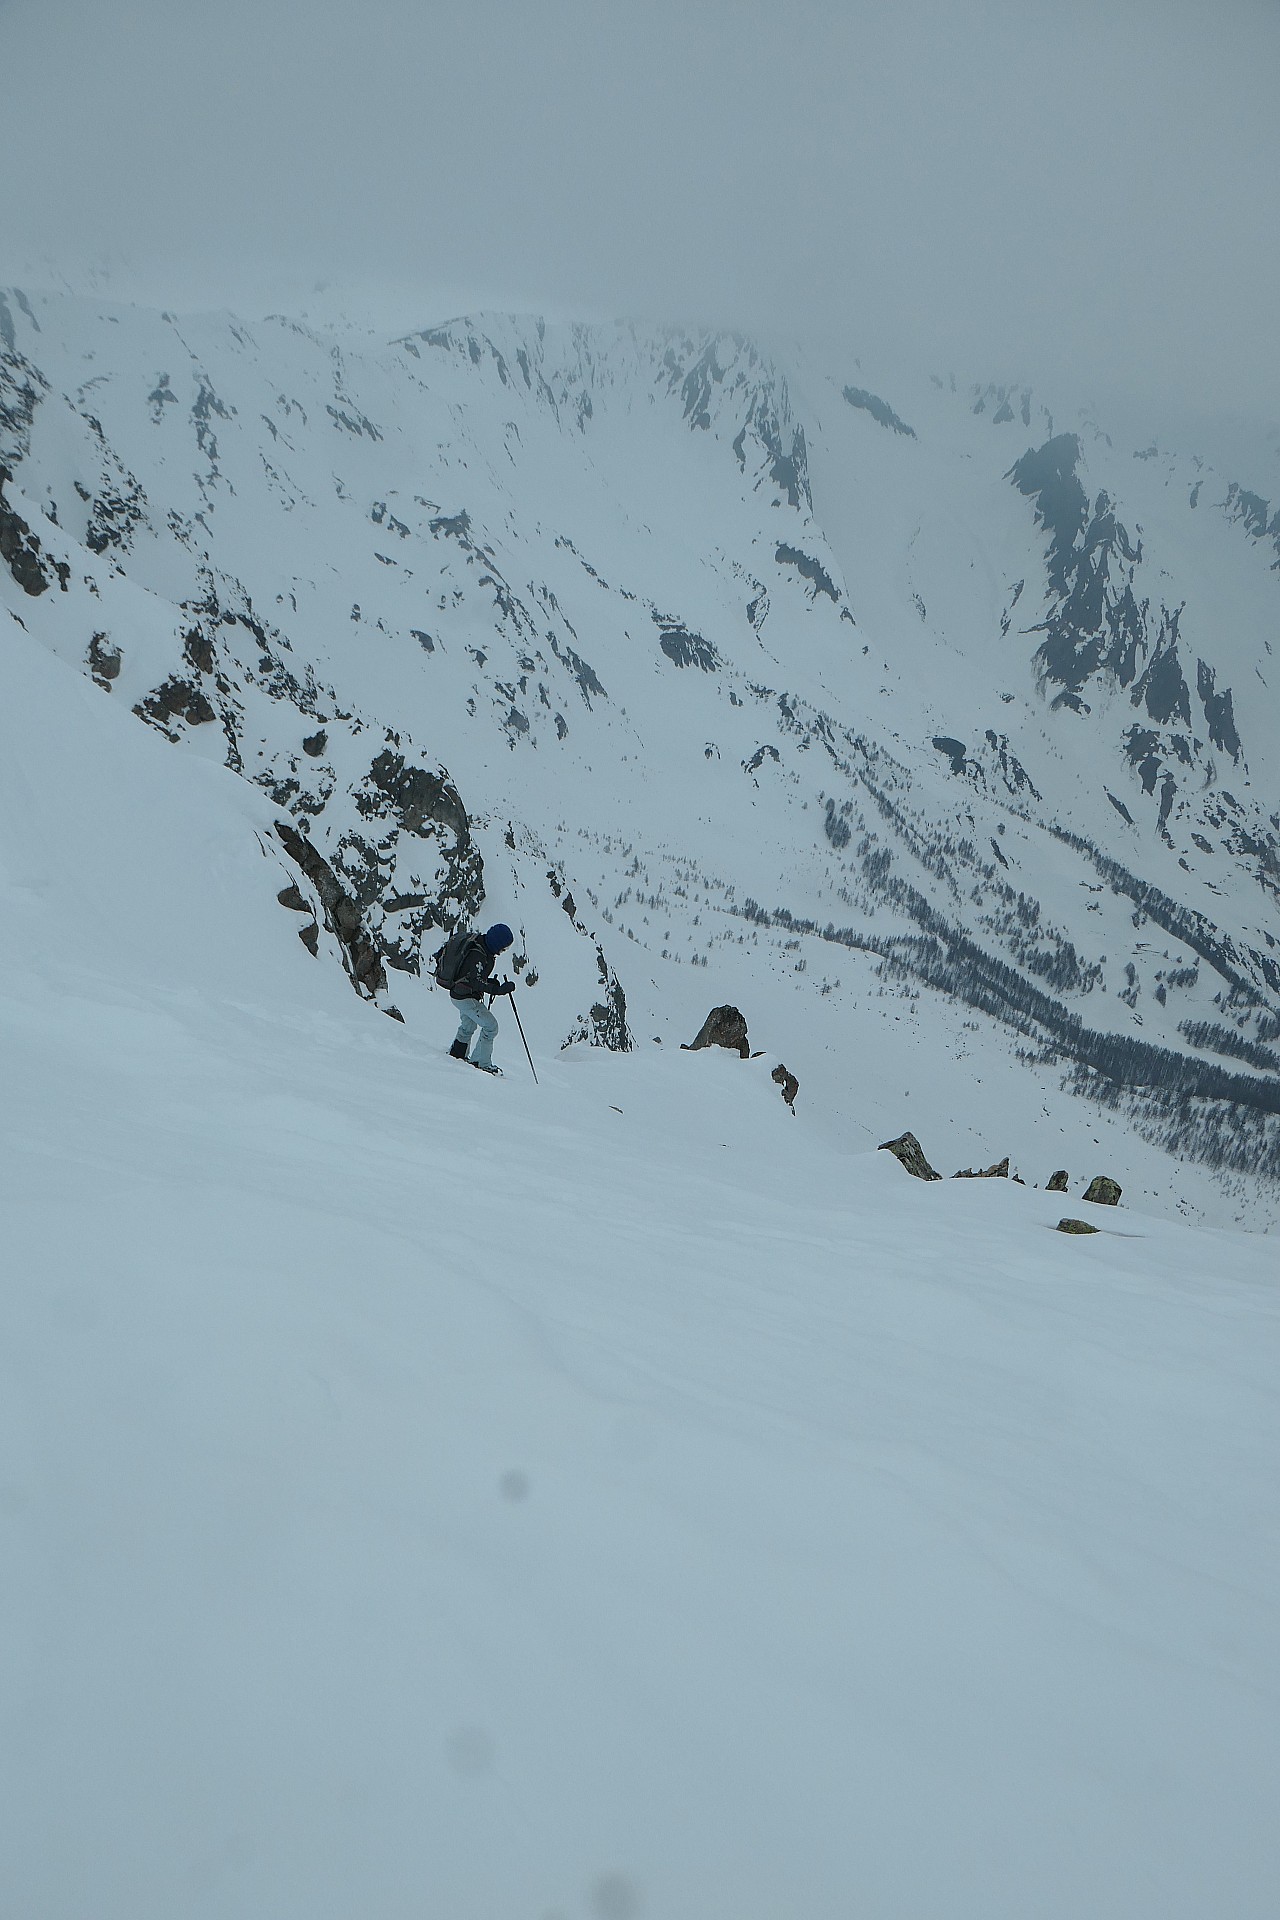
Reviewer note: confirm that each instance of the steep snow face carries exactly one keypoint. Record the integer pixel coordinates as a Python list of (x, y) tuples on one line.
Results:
[(428, 1496), (931, 726)]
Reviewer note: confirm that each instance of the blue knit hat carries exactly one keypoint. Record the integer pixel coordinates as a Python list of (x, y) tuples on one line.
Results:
[(498, 938)]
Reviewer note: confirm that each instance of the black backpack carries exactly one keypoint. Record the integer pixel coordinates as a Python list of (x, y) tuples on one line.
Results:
[(447, 962)]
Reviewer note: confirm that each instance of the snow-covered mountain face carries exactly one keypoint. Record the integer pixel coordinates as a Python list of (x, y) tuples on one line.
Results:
[(935, 728)]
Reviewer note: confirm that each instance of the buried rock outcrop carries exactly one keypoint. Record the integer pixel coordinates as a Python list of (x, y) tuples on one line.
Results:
[(1075, 1226), (906, 1149), (104, 660), (999, 1170), (784, 1078)]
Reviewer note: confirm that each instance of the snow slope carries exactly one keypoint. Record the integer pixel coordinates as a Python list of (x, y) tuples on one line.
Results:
[(614, 1497)]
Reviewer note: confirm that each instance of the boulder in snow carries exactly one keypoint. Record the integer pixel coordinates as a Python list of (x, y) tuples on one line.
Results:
[(723, 1027), (907, 1149)]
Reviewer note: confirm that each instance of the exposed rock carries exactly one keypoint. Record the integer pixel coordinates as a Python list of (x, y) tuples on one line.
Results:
[(999, 1170), (1057, 1182), (1075, 1226), (723, 1027), (406, 866), (907, 1149), (197, 649), (687, 649), (293, 898), (310, 937), (1103, 1191), (609, 1016), (878, 409), (809, 569), (606, 1023), (789, 1084), (342, 915), (105, 661), (419, 799), (20, 549), (117, 506), (399, 798), (177, 699)]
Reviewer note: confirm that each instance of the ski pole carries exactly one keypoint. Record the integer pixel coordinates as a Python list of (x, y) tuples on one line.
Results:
[(528, 1056)]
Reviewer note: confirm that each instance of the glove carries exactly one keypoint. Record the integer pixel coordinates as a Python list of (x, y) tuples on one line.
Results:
[(500, 987)]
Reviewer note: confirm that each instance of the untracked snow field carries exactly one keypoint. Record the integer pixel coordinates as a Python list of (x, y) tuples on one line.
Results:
[(427, 1496)]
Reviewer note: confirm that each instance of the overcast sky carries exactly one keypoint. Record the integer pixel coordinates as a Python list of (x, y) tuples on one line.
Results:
[(1016, 190)]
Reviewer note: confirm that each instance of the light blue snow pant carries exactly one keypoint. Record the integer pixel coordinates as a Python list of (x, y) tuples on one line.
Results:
[(473, 1015)]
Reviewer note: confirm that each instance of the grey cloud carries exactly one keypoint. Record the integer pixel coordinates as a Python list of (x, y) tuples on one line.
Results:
[(1018, 189)]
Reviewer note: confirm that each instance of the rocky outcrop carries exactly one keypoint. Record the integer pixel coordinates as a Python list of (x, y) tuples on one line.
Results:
[(1104, 636), (999, 1170), (395, 841), (341, 914), (879, 409), (1103, 1191), (608, 1015), (21, 551), (403, 802), (605, 1022), (176, 699), (418, 798), (906, 1149), (723, 1027)]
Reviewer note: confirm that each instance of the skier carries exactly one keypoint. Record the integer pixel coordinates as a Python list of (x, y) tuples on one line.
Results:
[(471, 975)]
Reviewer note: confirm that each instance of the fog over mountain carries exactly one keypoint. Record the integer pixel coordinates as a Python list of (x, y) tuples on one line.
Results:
[(1018, 191)]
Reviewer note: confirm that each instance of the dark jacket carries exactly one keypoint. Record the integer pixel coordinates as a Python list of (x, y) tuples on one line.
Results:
[(475, 970)]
